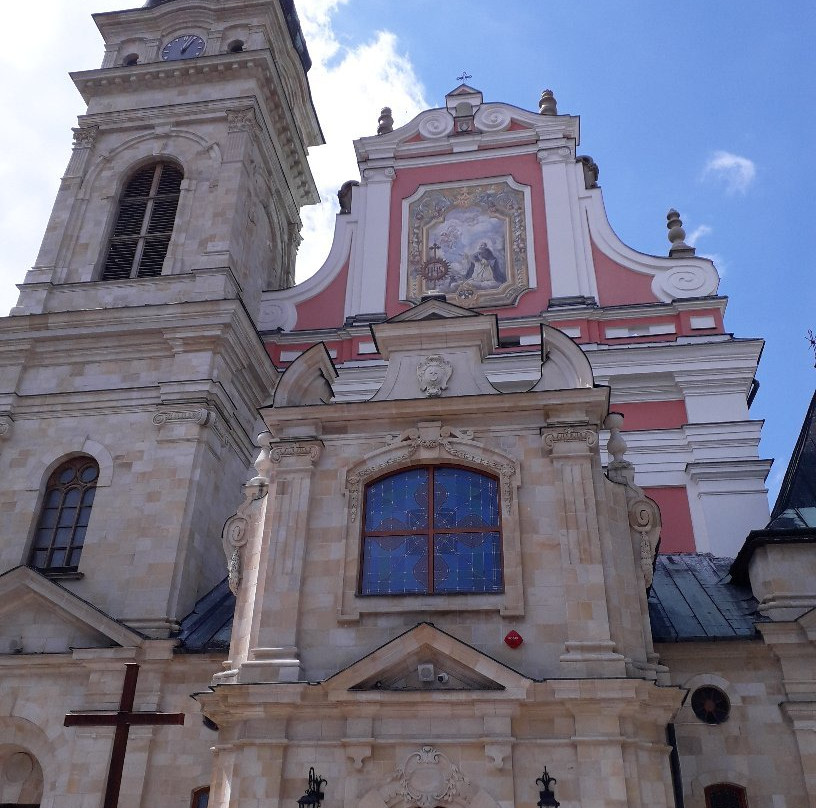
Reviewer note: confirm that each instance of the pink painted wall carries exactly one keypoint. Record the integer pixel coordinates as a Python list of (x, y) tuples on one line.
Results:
[(677, 535), (326, 309), (618, 285), (652, 415)]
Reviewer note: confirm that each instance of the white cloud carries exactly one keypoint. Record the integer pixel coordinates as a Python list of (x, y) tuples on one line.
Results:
[(736, 173), (699, 232), (349, 86)]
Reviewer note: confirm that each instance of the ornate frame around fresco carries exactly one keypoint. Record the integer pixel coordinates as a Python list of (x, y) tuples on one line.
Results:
[(471, 241)]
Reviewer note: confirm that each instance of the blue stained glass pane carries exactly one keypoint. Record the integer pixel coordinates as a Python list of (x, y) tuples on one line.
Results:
[(49, 517), (398, 502), (395, 565), (464, 499), (67, 517), (467, 562), (72, 497)]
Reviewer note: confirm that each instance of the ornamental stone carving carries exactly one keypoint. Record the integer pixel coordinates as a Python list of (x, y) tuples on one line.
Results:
[(490, 118), (436, 124), (278, 451), (6, 424), (433, 375), (569, 434), (426, 779), (234, 536), (644, 515), (199, 416), (85, 136), (241, 120), (456, 443)]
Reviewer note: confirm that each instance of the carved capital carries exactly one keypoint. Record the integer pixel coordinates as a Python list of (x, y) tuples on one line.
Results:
[(199, 415), (278, 451), (6, 425), (85, 136), (551, 437), (241, 120)]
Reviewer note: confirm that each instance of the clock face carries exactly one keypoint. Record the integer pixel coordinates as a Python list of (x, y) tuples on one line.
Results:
[(186, 46)]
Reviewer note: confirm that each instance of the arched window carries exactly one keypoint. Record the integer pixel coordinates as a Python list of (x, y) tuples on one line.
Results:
[(63, 519), (432, 530), (725, 795), (200, 798), (144, 223)]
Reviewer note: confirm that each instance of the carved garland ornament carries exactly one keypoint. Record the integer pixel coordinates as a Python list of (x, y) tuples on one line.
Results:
[(428, 778), (411, 438)]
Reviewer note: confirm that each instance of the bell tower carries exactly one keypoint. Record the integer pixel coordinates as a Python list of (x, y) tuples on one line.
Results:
[(131, 368), (217, 92)]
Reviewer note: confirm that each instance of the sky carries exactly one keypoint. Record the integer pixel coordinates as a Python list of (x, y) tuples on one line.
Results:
[(704, 106)]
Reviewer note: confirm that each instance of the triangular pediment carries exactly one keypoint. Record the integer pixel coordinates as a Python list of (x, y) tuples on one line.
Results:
[(426, 659), (433, 309), (38, 616)]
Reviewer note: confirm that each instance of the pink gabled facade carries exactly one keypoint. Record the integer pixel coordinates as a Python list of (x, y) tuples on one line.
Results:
[(511, 183)]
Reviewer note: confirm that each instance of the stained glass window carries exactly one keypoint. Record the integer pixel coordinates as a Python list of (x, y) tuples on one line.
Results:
[(64, 515), (432, 530)]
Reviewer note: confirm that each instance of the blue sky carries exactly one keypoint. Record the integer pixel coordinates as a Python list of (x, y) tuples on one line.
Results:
[(703, 106)]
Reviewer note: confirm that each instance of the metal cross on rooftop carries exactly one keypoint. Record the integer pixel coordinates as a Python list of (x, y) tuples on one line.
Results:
[(464, 77)]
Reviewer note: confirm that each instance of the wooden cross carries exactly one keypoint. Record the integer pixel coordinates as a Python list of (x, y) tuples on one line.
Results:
[(123, 720)]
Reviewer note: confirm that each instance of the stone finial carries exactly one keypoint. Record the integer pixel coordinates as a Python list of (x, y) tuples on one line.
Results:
[(677, 236), (617, 445), (547, 104), (385, 123)]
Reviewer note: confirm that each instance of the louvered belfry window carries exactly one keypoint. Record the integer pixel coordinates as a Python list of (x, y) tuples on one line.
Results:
[(144, 224), (64, 515)]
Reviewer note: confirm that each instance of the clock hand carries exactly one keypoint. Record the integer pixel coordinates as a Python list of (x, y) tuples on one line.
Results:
[(187, 44)]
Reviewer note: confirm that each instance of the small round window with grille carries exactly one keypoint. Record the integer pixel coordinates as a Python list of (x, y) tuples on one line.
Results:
[(710, 705)]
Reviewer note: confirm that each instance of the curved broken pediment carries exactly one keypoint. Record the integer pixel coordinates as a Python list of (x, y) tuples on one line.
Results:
[(308, 380)]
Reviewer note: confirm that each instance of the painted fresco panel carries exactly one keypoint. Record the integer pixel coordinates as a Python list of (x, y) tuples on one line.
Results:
[(468, 241)]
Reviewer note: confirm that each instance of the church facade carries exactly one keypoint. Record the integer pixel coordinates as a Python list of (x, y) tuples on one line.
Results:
[(474, 516)]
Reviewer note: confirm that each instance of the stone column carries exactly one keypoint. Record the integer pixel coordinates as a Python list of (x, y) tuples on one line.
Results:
[(589, 650)]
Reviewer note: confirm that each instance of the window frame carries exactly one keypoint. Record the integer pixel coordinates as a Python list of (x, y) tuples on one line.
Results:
[(144, 234), (441, 445), (52, 485), (430, 532)]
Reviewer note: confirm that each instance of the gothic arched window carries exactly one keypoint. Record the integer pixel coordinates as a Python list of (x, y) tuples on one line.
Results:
[(432, 530), (144, 223), (63, 518), (725, 795)]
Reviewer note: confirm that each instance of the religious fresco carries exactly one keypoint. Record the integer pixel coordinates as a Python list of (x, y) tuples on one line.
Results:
[(469, 242)]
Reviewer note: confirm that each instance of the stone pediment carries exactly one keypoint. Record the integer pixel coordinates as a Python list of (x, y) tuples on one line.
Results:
[(426, 659), (432, 309), (308, 380), (37, 616), (435, 350)]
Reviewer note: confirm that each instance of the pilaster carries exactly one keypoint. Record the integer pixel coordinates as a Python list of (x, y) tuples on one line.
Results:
[(589, 649)]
